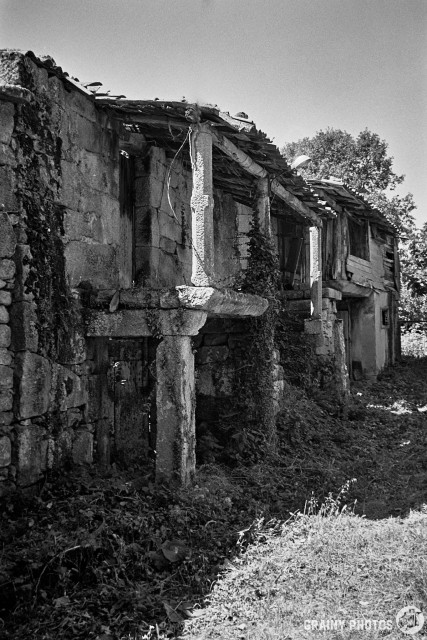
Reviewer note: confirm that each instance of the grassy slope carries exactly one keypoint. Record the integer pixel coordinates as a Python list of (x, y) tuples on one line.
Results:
[(112, 557), (321, 568), (330, 566)]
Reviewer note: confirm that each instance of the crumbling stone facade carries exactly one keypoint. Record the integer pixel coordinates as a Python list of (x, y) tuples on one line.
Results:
[(127, 327), (50, 197)]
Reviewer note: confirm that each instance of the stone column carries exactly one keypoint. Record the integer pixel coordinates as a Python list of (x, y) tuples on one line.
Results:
[(316, 271), (263, 206), (176, 399), (202, 206)]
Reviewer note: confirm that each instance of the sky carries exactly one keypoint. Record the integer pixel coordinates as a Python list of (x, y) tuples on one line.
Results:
[(294, 66)]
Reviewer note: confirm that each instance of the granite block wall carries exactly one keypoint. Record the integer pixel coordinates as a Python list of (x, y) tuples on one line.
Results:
[(59, 232)]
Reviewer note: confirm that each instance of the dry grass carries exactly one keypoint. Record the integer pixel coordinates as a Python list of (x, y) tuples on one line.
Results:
[(321, 567)]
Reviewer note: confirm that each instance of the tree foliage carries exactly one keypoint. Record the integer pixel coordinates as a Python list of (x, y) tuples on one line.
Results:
[(416, 261), (360, 162)]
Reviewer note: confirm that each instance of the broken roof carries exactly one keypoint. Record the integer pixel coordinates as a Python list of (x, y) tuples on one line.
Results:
[(167, 123), (340, 195)]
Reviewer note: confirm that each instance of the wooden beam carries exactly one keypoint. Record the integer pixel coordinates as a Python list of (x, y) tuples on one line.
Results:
[(248, 165), (295, 203), (238, 155), (163, 122)]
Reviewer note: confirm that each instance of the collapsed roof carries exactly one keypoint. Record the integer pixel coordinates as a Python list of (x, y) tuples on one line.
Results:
[(341, 196)]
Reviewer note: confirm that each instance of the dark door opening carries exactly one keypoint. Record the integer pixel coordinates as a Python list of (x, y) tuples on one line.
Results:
[(132, 363)]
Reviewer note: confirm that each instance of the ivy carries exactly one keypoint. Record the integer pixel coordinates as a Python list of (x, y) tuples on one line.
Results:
[(39, 182), (254, 428)]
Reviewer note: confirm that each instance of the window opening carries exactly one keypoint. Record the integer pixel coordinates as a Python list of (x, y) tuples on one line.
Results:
[(359, 238), (291, 252)]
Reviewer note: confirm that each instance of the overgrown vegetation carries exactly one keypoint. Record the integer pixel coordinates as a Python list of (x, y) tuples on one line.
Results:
[(41, 226), (255, 386), (108, 557)]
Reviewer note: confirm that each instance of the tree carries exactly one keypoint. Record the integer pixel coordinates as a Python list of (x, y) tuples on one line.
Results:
[(360, 162), (414, 261)]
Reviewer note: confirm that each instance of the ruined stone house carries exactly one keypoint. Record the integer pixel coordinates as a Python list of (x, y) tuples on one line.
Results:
[(124, 235), (360, 260)]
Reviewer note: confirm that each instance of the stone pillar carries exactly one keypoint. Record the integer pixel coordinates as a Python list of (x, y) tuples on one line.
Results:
[(202, 206), (263, 206), (316, 271), (176, 401), (341, 358)]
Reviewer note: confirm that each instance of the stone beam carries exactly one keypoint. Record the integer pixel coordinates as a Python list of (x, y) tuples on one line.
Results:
[(252, 167), (316, 270), (202, 205), (349, 289), (136, 323), (175, 396), (129, 323), (222, 302)]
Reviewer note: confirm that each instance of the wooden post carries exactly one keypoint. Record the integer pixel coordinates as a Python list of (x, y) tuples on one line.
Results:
[(263, 206), (202, 206)]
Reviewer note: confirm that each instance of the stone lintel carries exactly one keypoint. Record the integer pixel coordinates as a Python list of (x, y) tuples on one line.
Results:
[(135, 323), (350, 289), (333, 294), (222, 302), (225, 302)]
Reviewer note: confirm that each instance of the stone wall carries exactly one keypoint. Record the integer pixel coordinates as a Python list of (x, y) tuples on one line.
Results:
[(59, 235), (163, 221), (230, 240), (328, 334), (163, 251), (7, 273)]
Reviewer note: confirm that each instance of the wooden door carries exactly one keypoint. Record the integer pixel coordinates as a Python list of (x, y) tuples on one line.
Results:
[(133, 388)]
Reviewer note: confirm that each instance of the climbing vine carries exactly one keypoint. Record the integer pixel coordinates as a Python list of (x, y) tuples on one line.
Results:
[(39, 173), (255, 430)]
